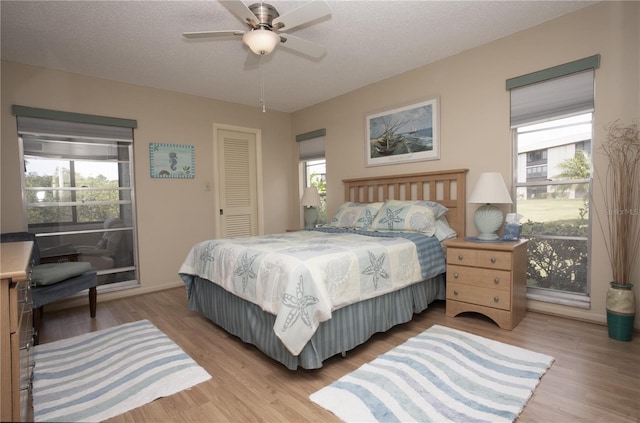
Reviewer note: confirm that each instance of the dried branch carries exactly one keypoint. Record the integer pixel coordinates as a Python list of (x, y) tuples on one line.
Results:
[(621, 193)]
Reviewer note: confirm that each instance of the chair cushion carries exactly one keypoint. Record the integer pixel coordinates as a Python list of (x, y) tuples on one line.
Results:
[(50, 273)]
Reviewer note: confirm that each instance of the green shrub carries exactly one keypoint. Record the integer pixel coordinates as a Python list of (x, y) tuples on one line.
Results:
[(557, 263)]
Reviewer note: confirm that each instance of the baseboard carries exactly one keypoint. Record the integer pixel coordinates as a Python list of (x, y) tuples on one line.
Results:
[(81, 299)]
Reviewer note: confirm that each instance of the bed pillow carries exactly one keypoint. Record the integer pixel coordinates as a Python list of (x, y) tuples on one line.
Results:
[(408, 216), (355, 215), (443, 230)]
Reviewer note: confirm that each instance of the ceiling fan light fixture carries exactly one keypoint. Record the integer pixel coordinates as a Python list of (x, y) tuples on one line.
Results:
[(261, 41)]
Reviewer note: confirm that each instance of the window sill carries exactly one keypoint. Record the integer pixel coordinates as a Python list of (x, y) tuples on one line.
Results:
[(562, 298)]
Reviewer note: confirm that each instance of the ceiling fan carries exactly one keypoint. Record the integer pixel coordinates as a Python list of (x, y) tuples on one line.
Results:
[(266, 26)]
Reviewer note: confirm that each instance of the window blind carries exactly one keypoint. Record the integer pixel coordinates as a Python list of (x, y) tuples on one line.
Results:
[(36, 128), (556, 98), (311, 145), (562, 91), (41, 123)]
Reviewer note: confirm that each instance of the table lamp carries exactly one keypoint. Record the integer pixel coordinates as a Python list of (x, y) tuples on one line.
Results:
[(310, 201), (490, 188)]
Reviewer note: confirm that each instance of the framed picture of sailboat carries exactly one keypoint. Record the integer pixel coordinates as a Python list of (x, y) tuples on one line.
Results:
[(403, 134)]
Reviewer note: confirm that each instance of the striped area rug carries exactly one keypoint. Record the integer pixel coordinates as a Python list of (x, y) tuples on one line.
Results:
[(98, 375), (441, 375)]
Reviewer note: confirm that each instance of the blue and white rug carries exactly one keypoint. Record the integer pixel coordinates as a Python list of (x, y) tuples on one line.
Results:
[(98, 375), (440, 375)]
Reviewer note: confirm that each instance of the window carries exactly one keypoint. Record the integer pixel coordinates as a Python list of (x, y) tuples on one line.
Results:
[(551, 118), (313, 166), (315, 175), (78, 191), (554, 202)]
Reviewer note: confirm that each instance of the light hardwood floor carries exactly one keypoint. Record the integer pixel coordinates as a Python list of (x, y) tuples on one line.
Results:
[(593, 378)]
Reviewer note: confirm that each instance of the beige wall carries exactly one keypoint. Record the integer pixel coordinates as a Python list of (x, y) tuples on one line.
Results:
[(173, 214), (474, 107)]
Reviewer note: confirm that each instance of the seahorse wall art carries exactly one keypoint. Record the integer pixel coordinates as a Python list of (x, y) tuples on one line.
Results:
[(171, 160)]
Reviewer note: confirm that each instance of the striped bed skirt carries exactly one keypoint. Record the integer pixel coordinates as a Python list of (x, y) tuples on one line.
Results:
[(349, 326)]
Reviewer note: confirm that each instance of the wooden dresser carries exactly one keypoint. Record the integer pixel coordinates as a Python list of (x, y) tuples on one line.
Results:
[(16, 331), (488, 278)]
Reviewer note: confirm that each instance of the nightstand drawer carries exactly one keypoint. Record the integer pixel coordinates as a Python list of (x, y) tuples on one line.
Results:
[(494, 259), (488, 278), (481, 258), (479, 295), (461, 256)]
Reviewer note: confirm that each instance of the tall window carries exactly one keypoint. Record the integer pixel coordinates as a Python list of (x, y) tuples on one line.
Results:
[(78, 190), (315, 175), (554, 202), (551, 117), (313, 166)]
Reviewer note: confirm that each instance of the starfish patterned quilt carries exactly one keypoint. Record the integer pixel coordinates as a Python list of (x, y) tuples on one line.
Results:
[(300, 277)]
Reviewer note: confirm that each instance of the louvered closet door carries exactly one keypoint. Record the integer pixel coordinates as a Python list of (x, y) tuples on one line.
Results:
[(238, 181)]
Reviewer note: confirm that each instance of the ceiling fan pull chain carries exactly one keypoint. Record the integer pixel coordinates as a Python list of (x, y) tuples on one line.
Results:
[(264, 109)]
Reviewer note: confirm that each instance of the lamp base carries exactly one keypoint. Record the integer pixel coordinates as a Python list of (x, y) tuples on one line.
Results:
[(488, 237), (310, 217), (488, 220)]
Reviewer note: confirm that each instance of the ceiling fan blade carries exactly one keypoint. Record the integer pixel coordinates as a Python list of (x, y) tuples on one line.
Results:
[(302, 46), (241, 11), (209, 34), (308, 12)]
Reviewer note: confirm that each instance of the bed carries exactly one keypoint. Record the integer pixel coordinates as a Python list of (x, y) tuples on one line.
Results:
[(302, 297)]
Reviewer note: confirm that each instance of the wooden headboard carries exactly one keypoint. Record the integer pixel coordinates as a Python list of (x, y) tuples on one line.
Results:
[(447, 187)]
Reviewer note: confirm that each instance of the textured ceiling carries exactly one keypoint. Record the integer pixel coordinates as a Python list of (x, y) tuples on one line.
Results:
[(140, 42)]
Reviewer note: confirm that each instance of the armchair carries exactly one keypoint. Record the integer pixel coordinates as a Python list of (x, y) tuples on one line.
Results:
[(55, 281), (111, 251)]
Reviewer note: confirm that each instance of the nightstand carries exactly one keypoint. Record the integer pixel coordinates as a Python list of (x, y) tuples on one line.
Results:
[(489, 278)]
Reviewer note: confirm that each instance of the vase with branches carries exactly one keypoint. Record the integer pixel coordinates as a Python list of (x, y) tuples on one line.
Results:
[(621, 224)]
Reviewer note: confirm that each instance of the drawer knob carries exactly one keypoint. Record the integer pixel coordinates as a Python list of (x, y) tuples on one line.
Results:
[(493, 260), (455, 275), (455, 292), (496, 299), (496, 281), (460, 257)]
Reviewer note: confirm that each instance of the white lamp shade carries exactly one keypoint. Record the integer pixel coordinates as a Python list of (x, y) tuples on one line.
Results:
[(490, 189), (261, 41), (310, 197)]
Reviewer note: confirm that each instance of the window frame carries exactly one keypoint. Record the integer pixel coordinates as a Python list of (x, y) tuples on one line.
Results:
[(549, 295), (99, 139), (306, 178)]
